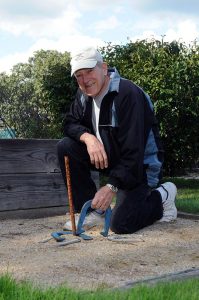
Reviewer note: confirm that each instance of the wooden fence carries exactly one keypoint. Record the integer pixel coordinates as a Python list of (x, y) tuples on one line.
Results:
[(31, 184)]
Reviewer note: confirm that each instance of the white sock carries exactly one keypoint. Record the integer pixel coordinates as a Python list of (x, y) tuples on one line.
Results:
[(163, 193)]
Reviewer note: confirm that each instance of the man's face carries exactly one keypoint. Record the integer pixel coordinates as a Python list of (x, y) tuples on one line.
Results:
[(92, 81)]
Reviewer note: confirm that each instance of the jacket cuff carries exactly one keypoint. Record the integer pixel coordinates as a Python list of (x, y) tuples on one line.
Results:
[(114, 181), (80, 133)]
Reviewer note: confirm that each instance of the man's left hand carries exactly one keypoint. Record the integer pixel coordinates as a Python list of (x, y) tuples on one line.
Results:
[(103, 198)]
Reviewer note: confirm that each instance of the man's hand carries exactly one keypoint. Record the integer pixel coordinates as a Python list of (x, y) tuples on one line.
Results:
[(103, 198), (95, 150)]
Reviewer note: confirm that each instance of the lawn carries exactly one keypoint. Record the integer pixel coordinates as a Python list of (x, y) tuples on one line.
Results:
[(188, 194), (179, 290)]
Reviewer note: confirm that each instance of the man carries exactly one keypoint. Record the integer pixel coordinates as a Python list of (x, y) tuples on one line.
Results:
[(111, 128)]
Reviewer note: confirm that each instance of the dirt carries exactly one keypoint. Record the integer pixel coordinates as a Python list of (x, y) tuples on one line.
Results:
[(156, 250)]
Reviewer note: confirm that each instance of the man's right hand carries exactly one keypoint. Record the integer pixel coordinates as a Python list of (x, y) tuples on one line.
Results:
[(95, 150)]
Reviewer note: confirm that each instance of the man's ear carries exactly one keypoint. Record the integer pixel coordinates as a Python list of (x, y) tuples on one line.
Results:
[(105, 68)]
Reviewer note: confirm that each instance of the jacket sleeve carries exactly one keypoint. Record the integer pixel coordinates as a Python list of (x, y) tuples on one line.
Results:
[(74, 124), (128, 172)]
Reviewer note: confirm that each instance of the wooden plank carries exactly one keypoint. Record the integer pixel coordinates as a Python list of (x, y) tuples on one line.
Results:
[(30, 176), (42, 212), (31, 191), (24, 191), (28, 156)]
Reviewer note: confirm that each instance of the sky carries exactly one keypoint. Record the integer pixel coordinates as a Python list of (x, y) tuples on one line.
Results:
[(67, 25)]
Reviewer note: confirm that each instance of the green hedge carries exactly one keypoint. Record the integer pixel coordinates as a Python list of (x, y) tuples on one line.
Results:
[(36, 95)]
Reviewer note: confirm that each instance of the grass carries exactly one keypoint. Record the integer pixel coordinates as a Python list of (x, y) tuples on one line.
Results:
[(179, 290), (188, 194)]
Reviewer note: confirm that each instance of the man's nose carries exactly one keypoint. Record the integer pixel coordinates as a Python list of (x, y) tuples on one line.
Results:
[(86, 79)]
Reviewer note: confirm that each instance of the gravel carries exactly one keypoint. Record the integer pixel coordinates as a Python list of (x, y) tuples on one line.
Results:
[(162, 248)]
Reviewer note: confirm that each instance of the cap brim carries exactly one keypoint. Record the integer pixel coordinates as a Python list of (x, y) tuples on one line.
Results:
[(83, 65)]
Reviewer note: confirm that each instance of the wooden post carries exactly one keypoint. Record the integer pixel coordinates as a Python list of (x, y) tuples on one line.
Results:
[(70, 197)]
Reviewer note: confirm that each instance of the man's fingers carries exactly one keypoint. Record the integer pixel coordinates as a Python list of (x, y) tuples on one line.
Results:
[(102, 160), (99, 160), (105, 160), (97, 163), (102, 199), (97, 152), (98, 203), (92, 159)]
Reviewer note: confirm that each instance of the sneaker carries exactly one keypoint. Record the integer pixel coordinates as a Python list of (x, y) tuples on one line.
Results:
[(92, 219), (168, 192), (68, 224)]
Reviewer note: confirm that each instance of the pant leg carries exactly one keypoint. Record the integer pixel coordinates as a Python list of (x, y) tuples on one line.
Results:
[(136, 209), (83, 187)]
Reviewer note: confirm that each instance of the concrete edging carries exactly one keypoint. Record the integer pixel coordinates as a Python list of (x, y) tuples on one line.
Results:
[(188, 215), (181, 275)]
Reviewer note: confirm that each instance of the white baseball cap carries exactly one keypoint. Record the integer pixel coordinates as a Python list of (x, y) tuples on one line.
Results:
[(85, 59)]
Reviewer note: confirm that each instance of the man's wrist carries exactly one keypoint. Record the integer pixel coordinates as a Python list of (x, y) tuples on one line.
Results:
[(113, 188), (84, 137)]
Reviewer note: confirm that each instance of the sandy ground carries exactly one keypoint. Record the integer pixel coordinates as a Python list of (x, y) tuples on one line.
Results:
[(157, 250)]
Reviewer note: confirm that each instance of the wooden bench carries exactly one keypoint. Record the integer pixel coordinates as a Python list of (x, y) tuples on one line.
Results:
[(31, 184)]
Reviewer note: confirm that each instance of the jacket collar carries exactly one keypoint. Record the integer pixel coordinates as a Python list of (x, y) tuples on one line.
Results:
[(115, 80)]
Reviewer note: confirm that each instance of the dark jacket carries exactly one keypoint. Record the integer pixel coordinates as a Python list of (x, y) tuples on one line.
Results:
[(128, 129)]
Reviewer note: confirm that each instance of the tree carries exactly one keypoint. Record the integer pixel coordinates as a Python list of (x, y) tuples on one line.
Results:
[(53, 86), (35, 97), (169, 72)]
